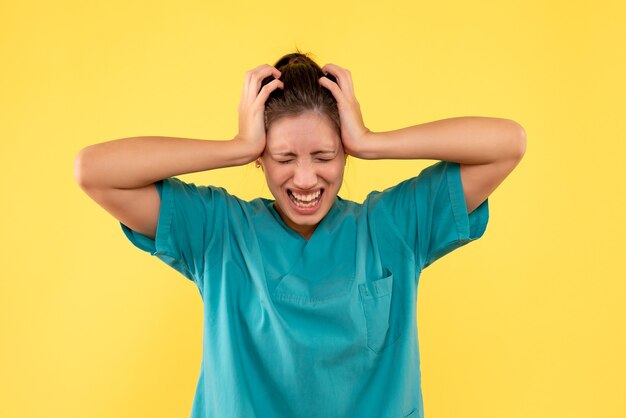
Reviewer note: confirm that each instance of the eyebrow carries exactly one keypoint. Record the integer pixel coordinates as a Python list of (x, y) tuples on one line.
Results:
[(291, 154)]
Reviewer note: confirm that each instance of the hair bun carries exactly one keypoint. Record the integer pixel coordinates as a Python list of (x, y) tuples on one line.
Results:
[(294, 58), (302, 90), (298, 60)]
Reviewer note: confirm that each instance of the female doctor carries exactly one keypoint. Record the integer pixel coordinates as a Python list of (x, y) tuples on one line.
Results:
[(309, 299)]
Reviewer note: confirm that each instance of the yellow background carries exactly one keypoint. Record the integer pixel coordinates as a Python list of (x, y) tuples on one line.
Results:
[(528, 321)]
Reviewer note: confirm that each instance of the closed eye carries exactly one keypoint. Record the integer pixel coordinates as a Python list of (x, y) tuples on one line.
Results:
[(323, 160)]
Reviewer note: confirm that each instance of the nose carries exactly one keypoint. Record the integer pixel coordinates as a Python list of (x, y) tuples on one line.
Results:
[(304, 176)]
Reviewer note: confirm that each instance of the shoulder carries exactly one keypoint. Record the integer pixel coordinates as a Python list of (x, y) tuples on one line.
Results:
[(347, 207), (191, 190), (215, 201), (423, 183)]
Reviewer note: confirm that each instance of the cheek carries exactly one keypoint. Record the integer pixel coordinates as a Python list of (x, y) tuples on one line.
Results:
[(277, 175), (336, 172)]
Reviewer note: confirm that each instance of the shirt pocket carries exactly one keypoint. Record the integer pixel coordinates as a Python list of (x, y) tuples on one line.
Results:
[(381, 312)]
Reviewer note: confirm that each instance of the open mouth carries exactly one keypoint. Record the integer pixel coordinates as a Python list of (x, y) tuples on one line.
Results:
[(305, 201)]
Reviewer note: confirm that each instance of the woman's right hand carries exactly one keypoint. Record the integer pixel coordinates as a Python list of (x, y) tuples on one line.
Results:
[(252, 108)]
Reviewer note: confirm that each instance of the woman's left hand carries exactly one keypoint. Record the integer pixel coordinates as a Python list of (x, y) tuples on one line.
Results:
[(354, 134)]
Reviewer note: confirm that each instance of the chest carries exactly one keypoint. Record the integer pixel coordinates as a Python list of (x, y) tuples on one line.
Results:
[(354, 280), (352, 249)]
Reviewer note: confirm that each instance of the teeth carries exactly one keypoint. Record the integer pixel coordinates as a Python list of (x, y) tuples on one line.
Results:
[(305, 201), (307, 198)]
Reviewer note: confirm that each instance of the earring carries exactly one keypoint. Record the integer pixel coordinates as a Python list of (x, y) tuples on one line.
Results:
[(257, 164)]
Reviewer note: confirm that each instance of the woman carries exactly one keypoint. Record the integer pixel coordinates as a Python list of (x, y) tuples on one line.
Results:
[(309, 299)]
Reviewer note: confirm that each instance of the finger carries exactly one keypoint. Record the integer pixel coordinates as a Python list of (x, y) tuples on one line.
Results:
[(267, 90), (334, 89), (256, 76), (343, 76), (250, 89), (250, 86), (264, 68)]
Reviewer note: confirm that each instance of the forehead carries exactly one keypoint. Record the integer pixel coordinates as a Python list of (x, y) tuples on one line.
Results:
[(303, 133)]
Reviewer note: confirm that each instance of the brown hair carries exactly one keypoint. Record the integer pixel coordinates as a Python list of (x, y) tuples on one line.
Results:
[(302, 91)]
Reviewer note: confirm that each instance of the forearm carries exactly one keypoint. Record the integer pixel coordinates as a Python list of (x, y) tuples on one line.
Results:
[(466, 140), (136, 162)]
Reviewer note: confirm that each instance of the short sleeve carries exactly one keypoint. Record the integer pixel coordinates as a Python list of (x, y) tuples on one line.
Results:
[(429, 211), (186, 225)]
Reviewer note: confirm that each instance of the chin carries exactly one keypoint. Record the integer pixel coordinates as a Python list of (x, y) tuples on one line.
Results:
[(301, 219)]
